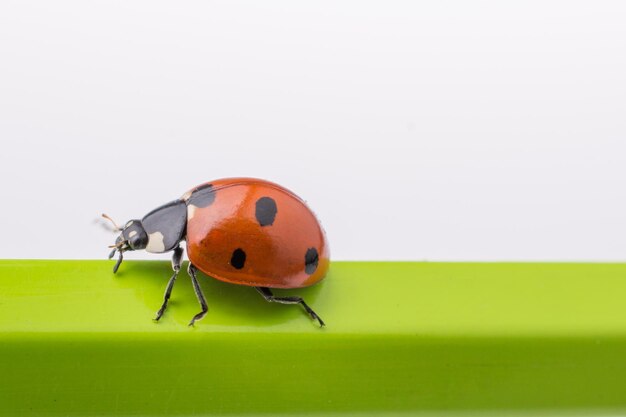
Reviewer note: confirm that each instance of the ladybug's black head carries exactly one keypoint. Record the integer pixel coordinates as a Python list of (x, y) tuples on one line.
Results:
[(133, 236)]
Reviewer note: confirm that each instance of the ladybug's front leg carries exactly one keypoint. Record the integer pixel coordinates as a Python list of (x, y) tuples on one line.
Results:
[(177, 259), (196, 287)]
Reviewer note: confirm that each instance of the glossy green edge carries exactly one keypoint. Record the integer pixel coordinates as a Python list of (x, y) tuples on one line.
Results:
[(401, 338)]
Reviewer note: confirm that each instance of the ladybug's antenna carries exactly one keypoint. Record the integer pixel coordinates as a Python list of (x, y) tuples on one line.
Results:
[(117, 228)]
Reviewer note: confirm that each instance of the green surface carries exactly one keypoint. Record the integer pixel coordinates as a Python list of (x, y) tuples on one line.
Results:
[(435, 338)]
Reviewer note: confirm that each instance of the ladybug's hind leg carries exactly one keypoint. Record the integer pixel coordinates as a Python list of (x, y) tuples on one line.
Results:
[(177, 259), (267, 294), (196, 287)]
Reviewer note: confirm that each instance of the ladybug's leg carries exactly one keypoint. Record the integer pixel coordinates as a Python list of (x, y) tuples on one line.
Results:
[(196, 287), (267, 294), (119, 260), (177, 259)]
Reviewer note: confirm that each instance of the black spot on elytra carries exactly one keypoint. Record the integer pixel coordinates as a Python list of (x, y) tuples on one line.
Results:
[(238, 260), (311, 259), (202, 196), (265, 211)]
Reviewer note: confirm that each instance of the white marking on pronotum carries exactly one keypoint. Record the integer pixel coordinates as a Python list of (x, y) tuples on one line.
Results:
[(186, 196), (133, 233), (155, 243), (129, 223), (191, 210)]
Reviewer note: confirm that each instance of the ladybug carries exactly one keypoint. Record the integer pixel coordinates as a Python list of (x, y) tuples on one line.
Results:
[(244, 231)]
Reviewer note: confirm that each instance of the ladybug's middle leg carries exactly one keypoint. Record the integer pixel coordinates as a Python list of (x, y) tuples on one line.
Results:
[(196, 287), (267, 294), (177, 259)]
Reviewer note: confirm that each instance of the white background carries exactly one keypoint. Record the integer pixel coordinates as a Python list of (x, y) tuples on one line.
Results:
[(443, 130)]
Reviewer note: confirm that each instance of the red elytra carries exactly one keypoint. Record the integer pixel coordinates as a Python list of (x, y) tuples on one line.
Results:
[(238, 239)]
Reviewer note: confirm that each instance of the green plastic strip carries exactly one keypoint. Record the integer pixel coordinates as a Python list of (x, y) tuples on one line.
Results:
[(401, 338)]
